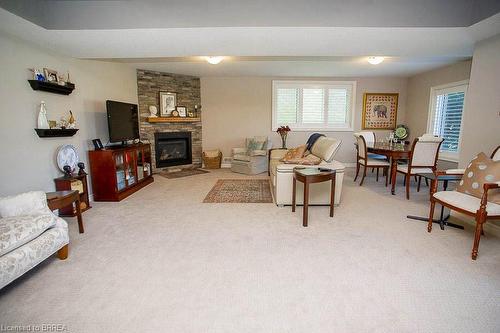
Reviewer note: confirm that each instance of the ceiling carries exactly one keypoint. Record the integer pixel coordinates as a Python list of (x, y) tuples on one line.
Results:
[(259, 38)]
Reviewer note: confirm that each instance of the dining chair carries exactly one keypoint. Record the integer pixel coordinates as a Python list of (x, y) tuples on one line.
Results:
[(481, 207), (423, 158), (363, 159)]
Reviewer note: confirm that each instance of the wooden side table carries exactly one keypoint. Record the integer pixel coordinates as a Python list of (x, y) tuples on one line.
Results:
[(62, 199), (310, 176)]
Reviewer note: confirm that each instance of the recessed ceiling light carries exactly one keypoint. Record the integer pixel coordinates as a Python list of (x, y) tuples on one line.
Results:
[(214, 60), (375, 60)]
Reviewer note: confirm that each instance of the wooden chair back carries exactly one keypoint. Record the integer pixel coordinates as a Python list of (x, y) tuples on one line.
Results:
[(424, 152), (495, 156), (362, 150), (368, 136)]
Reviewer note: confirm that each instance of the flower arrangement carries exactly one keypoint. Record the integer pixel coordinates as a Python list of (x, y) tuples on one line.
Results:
[(283, 132)]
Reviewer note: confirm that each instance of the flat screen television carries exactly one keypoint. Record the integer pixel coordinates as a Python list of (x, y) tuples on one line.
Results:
[(123, 121)]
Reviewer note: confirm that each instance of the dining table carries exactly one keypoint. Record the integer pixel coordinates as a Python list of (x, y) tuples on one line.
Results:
[(394, 152)]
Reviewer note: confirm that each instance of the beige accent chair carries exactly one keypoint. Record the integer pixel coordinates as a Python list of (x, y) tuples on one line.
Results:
[(251, 162), (423, 158), (319, 194), (365, 160), (480, 209)]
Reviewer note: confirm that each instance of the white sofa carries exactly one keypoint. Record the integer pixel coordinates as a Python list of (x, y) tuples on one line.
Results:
[(319, 194), (29, 234)]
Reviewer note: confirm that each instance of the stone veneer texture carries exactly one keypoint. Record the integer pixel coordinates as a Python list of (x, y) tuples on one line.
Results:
[(149, 85)]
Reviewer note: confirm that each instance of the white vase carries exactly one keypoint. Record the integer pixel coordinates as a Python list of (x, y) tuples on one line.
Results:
[(43, 122)]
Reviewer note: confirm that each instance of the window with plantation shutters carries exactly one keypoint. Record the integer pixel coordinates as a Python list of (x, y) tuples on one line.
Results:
[(314, 105), (445, 117)]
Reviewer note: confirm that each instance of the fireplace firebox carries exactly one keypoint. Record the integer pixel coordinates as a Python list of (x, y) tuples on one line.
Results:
[(172, 148)]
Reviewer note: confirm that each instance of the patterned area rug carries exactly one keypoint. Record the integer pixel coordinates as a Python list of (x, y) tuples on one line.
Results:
[(240, 191), (182, 173)]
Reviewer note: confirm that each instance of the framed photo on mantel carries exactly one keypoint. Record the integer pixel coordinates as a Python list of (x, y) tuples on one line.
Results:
[(168, 102), (380, 111)]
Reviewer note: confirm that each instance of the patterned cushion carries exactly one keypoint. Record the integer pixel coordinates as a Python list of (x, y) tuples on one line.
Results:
[(308, 160), (481, 170), (256, 143), (29, 203), (18, 230), (294, 153)]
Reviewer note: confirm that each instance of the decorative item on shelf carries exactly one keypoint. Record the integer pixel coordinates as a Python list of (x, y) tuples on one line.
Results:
[(71, 120), (380, 110), (67, 156), (196, 110), (51, 75), (401, 132), (283, 132), (60, 80), (43, 122), (175, 113), (62, 123), (81, 168), (190, 114), (182, 111), (153, 111), (52, 124), (67, 171), (168, 102), (97, 144), (37, 74)]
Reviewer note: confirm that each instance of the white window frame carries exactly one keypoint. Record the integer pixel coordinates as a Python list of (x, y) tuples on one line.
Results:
[(315, 84), (447, 88)]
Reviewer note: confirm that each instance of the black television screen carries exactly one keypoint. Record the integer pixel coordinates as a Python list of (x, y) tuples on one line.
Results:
[(123, 121)]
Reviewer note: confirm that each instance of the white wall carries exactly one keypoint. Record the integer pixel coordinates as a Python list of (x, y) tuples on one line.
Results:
[(239, 107), (27, 161), (481, 118)]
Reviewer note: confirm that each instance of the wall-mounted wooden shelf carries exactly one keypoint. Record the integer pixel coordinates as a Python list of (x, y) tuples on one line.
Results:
[(52, 87), (172, 120), (55, 132)]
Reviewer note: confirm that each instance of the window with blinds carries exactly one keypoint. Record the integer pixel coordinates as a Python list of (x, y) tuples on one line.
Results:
[(445, 117), (314, 105)]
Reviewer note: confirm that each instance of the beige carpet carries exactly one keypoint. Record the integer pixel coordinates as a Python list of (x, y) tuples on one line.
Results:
[(162, 261), (240, 191)]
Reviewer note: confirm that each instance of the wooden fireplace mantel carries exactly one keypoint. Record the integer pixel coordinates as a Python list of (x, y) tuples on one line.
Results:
[(172, 120)]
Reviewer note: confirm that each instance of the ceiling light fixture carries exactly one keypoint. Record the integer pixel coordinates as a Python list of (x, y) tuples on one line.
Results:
[(214, 60), (375, 60)]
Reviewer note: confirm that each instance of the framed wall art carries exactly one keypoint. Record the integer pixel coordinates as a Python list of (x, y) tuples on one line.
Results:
[(168, 102), (380, 111)]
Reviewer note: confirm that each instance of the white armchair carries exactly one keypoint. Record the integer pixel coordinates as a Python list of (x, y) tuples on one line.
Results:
[(253, 159)]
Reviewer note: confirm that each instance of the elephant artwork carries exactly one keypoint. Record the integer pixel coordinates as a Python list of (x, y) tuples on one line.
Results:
[(380, 110)]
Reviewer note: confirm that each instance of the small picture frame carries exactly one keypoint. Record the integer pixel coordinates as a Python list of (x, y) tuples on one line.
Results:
[(50, 75), (168, 102), (182, 110), (98, 144)]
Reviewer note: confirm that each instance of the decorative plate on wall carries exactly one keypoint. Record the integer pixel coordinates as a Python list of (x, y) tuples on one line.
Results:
[(67, 155)]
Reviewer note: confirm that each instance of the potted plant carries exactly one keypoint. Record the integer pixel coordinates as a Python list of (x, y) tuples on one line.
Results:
[(283, 132)]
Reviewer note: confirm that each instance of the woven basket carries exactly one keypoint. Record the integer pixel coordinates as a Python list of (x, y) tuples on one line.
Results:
[(212, 162)]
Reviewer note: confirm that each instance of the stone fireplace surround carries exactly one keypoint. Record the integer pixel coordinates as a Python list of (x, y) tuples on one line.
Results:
[(149, 84)]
